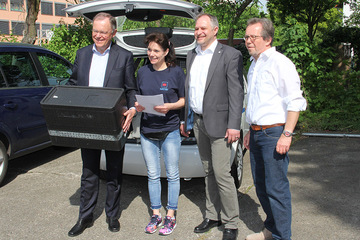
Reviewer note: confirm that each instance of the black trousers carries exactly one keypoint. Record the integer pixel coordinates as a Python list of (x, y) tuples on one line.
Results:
[(90, 182)]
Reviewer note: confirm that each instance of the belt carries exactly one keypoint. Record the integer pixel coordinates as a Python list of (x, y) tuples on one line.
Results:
[(199, 115), (263, 127)]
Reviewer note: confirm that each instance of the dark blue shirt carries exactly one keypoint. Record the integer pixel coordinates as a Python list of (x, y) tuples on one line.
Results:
[(169, 82)]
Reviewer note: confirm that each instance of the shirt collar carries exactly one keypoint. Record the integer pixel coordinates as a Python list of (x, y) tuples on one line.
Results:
[(97, 52), (210, 49), (266, 54)]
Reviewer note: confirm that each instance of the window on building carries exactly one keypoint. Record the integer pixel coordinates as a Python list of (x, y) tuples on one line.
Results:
[(17, 5), (17, 28), (4, 27), (3, 4), (47, 8), (59, 9), (46, 26)]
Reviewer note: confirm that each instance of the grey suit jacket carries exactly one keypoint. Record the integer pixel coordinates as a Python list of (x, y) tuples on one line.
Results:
[(224, 94), (119, 70)]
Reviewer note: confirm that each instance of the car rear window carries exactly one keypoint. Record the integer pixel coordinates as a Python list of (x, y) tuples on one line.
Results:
[(17, 70), (56, 69)]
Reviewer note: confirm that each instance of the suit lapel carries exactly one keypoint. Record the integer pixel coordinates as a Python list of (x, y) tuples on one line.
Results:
[(87, 63), (214, 61), (111, 61), (189, 62)]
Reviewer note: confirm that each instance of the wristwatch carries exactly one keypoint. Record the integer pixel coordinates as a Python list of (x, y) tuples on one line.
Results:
[(287, 133)]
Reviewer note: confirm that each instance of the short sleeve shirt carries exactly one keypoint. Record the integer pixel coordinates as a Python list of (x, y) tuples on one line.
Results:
[(169, 82)]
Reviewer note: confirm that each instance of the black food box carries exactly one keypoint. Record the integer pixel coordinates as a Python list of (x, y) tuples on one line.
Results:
[(85, 117)]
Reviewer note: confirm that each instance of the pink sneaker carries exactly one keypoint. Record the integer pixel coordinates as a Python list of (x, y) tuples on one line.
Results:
[(168, 226), (154, 223)]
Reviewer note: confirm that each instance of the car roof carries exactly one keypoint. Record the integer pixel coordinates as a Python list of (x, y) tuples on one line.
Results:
[(137, 10), (24, 47), (144, 11), (9, 46)]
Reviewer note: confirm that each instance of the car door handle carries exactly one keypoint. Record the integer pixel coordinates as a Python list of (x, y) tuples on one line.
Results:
[(10, 105)]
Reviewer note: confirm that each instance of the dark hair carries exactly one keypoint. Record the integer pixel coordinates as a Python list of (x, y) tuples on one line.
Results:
[(103, 15), (267, 27), (164, 43)]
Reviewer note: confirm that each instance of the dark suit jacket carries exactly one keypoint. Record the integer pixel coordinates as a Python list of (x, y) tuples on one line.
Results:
[(119, 71), (224, 94)]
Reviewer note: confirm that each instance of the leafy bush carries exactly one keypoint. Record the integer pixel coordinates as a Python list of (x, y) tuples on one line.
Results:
[(333, 95), (9, 38), (67, 39), (337, 103)]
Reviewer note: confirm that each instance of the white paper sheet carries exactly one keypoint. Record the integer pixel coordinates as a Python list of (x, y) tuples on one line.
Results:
[(149, 102)]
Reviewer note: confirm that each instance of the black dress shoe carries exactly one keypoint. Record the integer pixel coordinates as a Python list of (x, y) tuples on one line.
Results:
[(114, 225), (80, 226), (206, 225), (230, 234)]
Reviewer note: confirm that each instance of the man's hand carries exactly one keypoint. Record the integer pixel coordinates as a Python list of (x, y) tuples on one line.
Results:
[(183, 132), (232, 135), (129, 114), (283, 144), (247, 141)]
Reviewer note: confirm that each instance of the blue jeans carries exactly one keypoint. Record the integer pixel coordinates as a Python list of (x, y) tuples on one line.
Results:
[(269, 170), (170, 147)]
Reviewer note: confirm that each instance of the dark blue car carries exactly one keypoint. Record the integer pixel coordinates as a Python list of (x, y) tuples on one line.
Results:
[(27, 73)]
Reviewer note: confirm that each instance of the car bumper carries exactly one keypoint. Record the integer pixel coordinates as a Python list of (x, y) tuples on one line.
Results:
[(190, 165)]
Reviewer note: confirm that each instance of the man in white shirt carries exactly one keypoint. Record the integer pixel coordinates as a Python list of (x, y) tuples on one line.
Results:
[(274, 103), (103, 64), (214, 94)]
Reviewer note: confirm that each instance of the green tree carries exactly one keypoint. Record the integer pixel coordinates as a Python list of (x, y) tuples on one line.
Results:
[(311, 13), (67, 39), (354, 19)]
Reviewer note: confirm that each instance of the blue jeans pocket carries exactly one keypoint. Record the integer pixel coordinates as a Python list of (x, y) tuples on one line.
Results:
[(274, 132)]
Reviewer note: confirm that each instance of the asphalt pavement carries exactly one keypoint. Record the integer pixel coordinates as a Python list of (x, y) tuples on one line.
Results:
[(40, 197)]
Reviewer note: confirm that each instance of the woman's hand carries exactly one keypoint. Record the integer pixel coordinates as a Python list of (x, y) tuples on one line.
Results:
[(163, 108), (138, 107)]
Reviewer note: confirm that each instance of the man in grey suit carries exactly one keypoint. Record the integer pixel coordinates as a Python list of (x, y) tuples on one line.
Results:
[(214, 94)]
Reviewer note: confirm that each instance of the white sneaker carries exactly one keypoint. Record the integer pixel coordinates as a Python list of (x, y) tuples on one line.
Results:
[(263, 235)]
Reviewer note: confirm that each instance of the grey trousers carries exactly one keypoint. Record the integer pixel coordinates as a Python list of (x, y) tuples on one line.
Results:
[(221, 194)]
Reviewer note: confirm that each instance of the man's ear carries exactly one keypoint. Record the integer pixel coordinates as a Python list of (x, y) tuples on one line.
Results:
[(216, 29), (268, 41)]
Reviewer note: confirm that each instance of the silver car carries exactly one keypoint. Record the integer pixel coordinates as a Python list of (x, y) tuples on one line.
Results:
[(183, 40)]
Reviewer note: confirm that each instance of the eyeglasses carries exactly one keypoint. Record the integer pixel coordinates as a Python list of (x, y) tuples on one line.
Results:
[(101, 33), (252, 37)]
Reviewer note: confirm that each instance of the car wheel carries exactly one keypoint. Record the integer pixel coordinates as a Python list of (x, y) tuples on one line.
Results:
[(237, 166), (3, 162)]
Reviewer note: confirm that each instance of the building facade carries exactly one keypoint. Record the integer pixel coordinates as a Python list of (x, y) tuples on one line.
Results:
[(13, 14)]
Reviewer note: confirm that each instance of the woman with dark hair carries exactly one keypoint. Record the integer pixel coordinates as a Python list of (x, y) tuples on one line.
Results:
[(161, 133)]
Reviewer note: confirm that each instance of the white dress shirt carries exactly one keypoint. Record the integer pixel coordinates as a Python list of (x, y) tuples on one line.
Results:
[(98, 67), (273, 89), (198, 75)]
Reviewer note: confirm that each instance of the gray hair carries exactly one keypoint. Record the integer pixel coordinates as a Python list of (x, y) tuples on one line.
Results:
[(103, 15), (267, 27), (213, 20)]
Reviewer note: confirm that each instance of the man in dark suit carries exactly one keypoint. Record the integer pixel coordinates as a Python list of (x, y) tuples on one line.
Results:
[(103, 64), (214, 94)]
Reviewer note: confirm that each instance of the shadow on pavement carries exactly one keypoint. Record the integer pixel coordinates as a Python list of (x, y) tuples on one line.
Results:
[(28, 162), (324, 172)]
